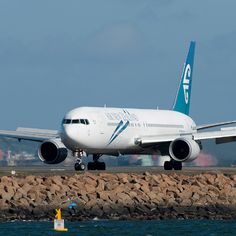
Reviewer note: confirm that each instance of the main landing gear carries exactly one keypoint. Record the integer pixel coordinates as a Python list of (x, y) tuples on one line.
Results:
[(96, 165), (79, 165), (172, 164)]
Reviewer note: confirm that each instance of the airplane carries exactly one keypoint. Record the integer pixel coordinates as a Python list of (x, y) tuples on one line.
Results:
[(101, 131)]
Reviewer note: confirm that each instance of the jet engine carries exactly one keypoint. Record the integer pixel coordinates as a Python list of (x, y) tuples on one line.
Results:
[(184, 149), (52, 151)]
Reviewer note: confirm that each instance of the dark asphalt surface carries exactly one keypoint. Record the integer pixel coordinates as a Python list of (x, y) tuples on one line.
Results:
[(48, 170)]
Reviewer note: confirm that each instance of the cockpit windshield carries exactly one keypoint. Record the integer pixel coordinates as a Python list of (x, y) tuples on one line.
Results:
[(66, 121), (75, 121)]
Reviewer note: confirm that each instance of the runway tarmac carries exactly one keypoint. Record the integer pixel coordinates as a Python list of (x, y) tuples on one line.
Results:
[(48, 170)]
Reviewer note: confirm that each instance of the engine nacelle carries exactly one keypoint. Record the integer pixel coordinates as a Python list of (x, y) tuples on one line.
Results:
[(184, 149), (52, 151)]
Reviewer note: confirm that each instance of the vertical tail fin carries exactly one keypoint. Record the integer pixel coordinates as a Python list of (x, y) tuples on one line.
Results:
[(182, 100)]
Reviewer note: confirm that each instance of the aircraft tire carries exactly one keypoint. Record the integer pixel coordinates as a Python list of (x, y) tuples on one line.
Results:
[(101, 166), (91, 166), (96, 166), (177, 165), (79, 166), (168, 165)]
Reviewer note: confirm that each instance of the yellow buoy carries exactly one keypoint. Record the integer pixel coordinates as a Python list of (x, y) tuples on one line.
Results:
[(58, 214), (61, 230), (59, 222)]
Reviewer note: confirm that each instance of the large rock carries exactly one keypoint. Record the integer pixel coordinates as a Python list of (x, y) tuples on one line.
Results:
[(23, 202), (100, 185), (18, 194), (4, 204), (132, 194), (110, 185), (90, 188), (90, 179), (7, 192), (104, 195), (145, 187), (30, 179), (108, 177), (124, 198), (55, 188), (118, 189), (152, 196), (6, 180), (210, 178), (57, 180), (122, 177), (106, 208)]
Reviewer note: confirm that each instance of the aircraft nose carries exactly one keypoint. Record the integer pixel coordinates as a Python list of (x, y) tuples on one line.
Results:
[(68, 134), (67, 130)]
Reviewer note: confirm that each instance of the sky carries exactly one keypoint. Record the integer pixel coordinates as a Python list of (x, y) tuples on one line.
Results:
[(57, 55)]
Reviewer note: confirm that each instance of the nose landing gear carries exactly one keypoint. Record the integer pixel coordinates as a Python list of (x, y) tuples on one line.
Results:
[(96, 165), (79, 165)]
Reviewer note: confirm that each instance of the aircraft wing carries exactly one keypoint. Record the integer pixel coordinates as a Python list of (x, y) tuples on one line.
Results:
[(37, 135), (200, 127), (155, 139), (224, 135)]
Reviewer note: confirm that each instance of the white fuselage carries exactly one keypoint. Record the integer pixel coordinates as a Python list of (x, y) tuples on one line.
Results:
[(115, 130)]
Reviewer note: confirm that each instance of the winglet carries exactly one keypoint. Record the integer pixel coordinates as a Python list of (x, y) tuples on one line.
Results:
[(182, 100)]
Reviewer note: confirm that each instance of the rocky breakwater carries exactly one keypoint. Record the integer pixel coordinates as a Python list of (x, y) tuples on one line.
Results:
[(119, 196)]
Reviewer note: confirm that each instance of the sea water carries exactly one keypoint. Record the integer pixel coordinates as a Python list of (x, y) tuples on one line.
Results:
[(126, 228)]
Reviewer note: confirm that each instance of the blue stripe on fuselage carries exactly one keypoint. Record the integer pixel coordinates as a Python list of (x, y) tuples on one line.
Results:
[(118, 131)]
